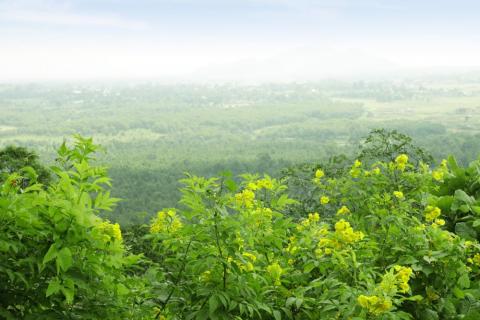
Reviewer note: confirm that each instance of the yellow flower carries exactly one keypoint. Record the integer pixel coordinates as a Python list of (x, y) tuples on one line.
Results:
[(328, 251), (398, 194), (205, 276), (166, 221), (110, 231), (440, 222), (314, 217), (343, 210), (437, 175), (245, 198), (357, 164), (355, 172), (324, 242), (319, 173), (345, 233), (324, 199), (431, 213), (376, 170), (275, 272), (247, 267), (375, 305), (250, 256), (401, 161), (341, 225), (252, 186), (476, 259), (265, 183), (403, 276)]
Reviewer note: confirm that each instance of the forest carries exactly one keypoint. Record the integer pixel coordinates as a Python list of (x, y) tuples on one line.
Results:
[(154, 133)]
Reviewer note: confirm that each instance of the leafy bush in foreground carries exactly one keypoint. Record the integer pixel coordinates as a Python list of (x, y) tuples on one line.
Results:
[(58, 259), (386, 240), (376, 248)]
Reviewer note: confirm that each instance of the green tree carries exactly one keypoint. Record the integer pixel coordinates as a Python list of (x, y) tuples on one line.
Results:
[(14, 159)]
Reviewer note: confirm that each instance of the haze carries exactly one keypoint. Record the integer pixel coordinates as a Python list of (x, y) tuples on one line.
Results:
[(234, 40)]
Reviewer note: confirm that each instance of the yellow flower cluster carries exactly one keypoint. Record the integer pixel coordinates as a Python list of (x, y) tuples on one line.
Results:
[(261, 217), (355, 171), (312, 219), (403, 275), (292, 247), (475, 259), (166, 221), (275, 272), (432, 213), (374, 304), (319, 174), (110, 231), (398, 194), (343, 210), (324, 200), (206, 276), (401, 161), (265, 183), (245, 198), (248, 265), (250, 256), (345, 233), (394, 280), (439, 173), (376, 170)]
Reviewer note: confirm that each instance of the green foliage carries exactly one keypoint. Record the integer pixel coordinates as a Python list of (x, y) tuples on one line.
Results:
[(385, 240), (386, 145), (58, 259), (15, 159), (375, 249)]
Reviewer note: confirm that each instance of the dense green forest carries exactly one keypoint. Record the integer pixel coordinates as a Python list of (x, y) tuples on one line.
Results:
[(387, 234), (154, 133)]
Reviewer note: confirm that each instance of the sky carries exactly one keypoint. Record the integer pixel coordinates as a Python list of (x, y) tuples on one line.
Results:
[(182, 40)]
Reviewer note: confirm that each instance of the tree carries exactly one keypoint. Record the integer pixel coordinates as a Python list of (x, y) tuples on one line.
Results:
[(386, 145), (15, 159)]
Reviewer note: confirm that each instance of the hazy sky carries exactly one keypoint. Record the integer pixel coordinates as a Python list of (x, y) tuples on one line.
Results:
[(48, 39)]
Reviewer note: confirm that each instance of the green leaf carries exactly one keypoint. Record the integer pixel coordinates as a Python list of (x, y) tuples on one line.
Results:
[(68, 290), (213, 304), (464, 281), (465, 231), (277, 315), (413, 298), (51, 253), (53, 287), (462, 196), (64, 259)]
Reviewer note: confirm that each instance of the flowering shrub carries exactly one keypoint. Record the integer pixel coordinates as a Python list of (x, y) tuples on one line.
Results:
[(386, 240), (376, 247), (58, 258)]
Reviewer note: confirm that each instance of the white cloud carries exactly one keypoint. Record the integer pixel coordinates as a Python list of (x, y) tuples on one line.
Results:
[(61, 13), (72, 19)]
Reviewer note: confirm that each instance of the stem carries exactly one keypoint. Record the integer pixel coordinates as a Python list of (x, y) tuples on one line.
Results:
[(177, 280), (220, 252)]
